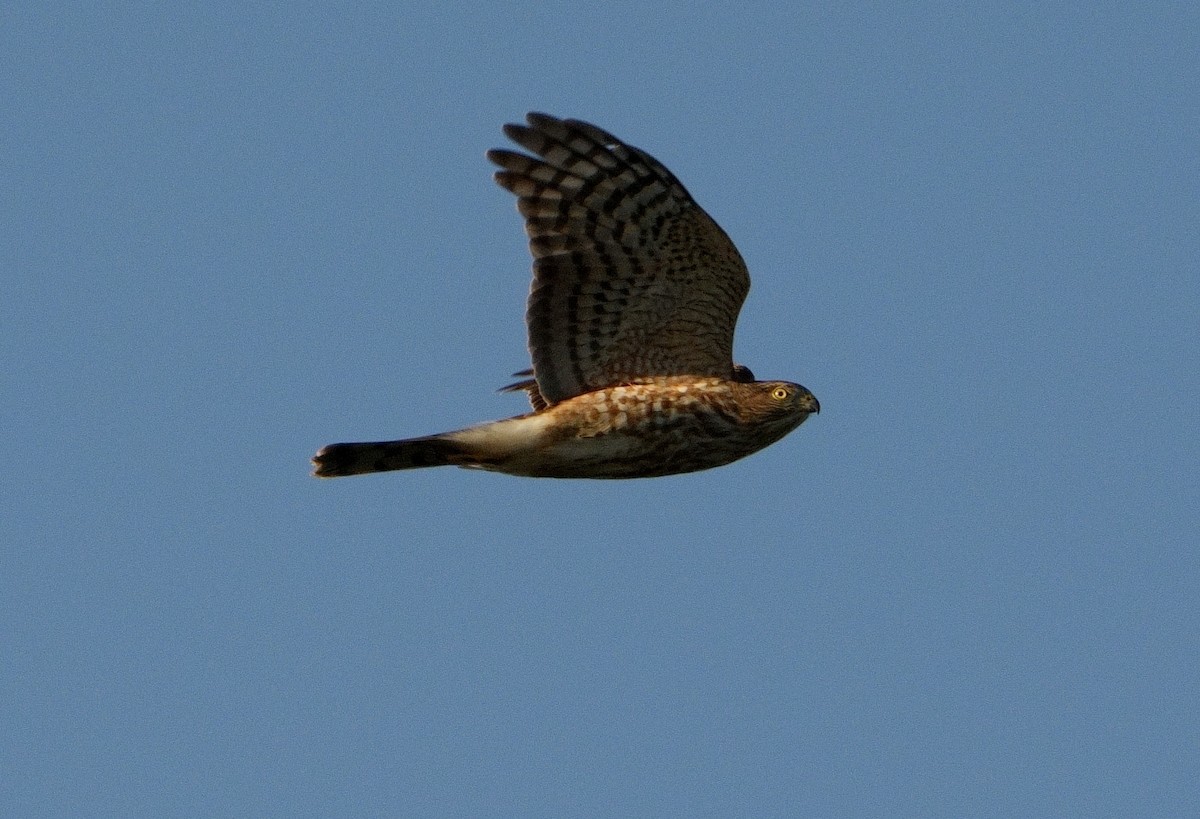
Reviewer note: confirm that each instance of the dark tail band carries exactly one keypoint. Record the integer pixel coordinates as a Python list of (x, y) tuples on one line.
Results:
[(339, 460)]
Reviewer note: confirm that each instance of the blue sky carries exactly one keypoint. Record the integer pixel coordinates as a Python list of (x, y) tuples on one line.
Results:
[(234, 233)]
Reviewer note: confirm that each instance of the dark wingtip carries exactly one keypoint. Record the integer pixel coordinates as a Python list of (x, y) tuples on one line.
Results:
[(513, 130)]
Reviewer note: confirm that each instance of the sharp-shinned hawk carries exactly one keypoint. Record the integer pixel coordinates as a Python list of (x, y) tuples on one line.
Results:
[(635, 295)]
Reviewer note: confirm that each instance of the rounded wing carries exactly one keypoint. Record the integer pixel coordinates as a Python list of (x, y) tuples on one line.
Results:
[(631, 278)]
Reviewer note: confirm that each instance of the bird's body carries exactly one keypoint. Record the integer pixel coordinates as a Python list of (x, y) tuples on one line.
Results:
[(631, 315), (663, 426)]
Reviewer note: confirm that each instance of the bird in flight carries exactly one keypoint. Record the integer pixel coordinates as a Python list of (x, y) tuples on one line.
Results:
[(635, 294)]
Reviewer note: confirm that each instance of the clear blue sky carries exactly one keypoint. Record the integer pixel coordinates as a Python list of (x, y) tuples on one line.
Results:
[(970, 587)]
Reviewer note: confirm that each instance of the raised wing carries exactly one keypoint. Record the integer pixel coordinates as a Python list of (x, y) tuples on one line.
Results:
[(631, 278)]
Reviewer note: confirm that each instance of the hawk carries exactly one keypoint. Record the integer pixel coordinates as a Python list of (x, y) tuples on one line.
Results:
[(631, 314)]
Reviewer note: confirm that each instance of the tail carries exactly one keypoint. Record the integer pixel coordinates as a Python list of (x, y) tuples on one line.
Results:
[(339, 460)]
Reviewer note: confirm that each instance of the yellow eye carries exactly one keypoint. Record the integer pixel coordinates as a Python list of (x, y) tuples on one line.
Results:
[(779, 393)]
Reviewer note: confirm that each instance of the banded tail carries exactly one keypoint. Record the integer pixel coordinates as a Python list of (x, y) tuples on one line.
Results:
[(339, 460)]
